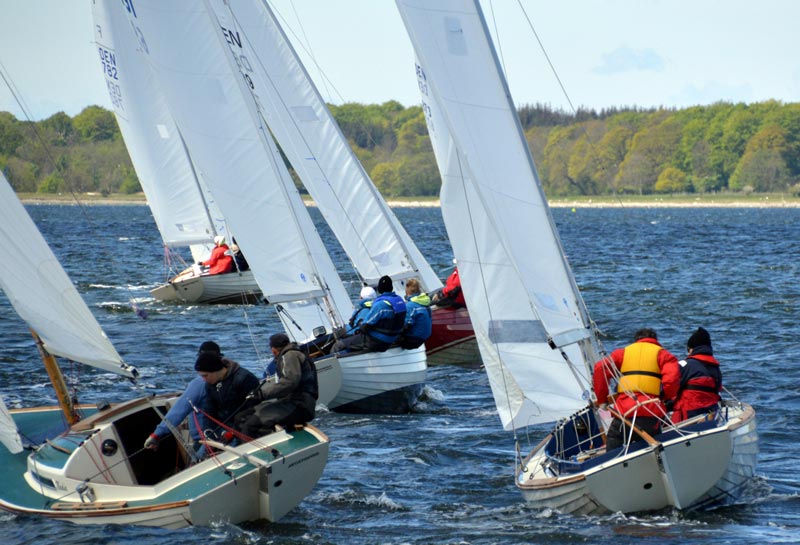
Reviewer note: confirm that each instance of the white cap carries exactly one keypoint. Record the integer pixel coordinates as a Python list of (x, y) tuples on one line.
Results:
[(368, 292), (219, 239)]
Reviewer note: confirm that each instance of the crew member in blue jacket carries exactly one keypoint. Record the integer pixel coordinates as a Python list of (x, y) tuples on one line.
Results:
[(418, 325), (383, 324), (362, 309)]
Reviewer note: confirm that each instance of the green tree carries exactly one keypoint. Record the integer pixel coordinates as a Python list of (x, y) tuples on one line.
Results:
[(53, 183), (59, 128), (22, 175), (651, 151), (763, 170), (672, 180), (96, 124), (10, 134)]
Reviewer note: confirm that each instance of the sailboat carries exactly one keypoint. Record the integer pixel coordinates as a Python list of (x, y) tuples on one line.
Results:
[(194, 49), (183, 209), (86, 464), (537, 341), (369, 232)]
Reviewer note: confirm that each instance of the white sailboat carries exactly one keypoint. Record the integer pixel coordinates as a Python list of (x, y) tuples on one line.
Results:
[(183, 207), (184, 211), (196, 52), (86, 464), (536, 340), (369, 232)]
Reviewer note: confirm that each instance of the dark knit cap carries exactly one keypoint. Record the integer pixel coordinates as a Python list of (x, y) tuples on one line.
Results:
[(700, 337), (209, 346), (278, 340), (208, 362), (385, 284)]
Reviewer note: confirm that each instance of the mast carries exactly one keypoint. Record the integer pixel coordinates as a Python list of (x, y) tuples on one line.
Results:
[(336, 320), (57, 379)]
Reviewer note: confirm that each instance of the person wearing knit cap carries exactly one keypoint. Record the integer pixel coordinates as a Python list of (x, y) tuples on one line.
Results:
[(227, 385), (701, 379), (382, 325), (289, 401), (647, 376), (193, 396)]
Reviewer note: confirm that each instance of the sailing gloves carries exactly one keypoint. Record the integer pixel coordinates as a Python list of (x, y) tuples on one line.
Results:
[(152, 442)]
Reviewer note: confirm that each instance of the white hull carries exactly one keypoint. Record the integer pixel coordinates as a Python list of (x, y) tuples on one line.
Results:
[(231, 288), (384, 382), (673, 473), (329, 379)]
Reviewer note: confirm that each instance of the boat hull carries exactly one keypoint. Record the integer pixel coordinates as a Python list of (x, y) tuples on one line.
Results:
[(674, 472), (262, 479), (452, 340), (230, 288), (380, 382)]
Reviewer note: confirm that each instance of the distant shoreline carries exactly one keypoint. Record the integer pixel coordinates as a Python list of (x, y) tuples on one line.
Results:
[(705, 201)]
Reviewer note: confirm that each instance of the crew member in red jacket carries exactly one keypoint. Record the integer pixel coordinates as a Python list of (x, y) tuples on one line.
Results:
[(220, 261), (701, 379), (647, 376), (450, 295)]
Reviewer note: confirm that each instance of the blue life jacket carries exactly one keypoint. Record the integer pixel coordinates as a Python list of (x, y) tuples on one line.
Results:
[(386, 318)]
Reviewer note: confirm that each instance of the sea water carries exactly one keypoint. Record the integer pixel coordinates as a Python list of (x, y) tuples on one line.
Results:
[(444, 474)]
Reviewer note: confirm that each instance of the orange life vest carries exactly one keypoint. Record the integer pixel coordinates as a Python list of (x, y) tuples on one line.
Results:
[(640, 371)]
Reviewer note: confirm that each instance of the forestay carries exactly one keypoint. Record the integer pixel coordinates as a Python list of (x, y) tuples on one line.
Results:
[(519, 289), (43, 295), (297, 115), (179, 204), (216, 112)]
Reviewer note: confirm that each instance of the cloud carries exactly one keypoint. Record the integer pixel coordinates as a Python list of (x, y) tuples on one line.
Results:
[(714, 91), (626, 59)]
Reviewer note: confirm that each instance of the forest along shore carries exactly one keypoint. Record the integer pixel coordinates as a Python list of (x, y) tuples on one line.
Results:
[(628, 201)]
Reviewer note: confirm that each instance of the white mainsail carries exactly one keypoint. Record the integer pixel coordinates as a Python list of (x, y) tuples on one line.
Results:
[(216, 111), (297, 115), (519, 289), (183, 211), (43, 295)]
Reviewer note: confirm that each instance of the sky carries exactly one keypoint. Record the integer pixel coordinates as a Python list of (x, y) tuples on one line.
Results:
[(605, 53)]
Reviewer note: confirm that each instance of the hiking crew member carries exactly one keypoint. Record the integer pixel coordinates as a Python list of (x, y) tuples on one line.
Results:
[(418, 326), (220, 260), (289, 401), (383, 324)]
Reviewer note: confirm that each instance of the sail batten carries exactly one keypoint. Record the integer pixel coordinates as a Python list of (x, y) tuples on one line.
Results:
[(519, 289)]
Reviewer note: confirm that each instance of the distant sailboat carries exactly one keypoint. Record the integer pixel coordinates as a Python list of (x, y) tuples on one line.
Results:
[(183, 209), (93, 470), (536, 339), (373, 238), (195, 51)]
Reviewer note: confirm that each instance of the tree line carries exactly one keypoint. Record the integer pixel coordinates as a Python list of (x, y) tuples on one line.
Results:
[(721, 147)]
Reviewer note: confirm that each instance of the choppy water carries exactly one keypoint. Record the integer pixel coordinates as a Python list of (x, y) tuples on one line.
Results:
[(443, 475)]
